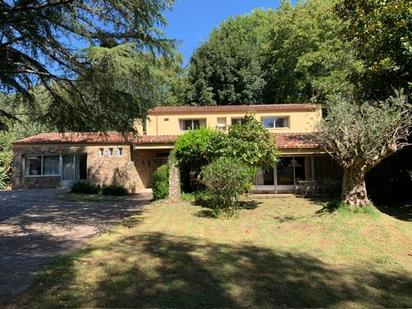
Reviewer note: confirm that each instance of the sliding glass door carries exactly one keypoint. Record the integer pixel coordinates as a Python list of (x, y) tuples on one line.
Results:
[(282, 177), (74, 167)]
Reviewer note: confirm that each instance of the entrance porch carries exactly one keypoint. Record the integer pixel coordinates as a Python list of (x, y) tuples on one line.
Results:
[(299, 174)]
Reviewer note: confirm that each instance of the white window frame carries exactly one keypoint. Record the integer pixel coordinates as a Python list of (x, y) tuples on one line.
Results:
[(120, 151), (101, 152), (275, 118), (110, 152), (41, 165), (221, 125), (239, 120), (182, 120)]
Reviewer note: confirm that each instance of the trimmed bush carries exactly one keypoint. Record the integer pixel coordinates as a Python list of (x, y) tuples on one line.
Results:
[(85, 186), (114, 189), (226, 179), (160, 182)]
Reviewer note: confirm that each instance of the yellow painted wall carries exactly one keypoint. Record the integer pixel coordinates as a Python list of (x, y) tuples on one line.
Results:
[(169, 124)]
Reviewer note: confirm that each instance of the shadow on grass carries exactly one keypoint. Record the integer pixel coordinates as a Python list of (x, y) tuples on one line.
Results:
[(176, 271), (401, 211), (208, 212)]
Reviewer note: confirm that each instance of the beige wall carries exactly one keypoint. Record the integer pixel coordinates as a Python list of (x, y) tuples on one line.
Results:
[(306, 121)]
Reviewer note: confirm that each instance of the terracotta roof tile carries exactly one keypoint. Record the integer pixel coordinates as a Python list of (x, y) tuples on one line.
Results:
[(157, 139), (79, 138), (296, 140), (283, 140), (232, 108)]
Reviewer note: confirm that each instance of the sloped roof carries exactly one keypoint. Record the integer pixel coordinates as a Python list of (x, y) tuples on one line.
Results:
[(283, 140), (79, 138), (162, 110)]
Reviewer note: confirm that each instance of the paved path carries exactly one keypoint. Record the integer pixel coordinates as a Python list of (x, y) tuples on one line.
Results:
[(36, 226)]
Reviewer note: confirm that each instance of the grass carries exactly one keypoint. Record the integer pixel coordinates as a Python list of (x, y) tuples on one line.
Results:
[(285, 252)]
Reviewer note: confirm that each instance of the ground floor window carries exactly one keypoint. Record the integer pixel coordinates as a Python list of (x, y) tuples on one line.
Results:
[(69, 167), (287, 172), (42, 165)]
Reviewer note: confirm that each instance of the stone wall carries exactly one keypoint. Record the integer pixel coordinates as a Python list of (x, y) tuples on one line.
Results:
[(146, 162), (102, 170)]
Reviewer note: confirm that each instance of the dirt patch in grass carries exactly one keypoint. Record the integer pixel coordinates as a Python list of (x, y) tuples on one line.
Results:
[(281, 253)]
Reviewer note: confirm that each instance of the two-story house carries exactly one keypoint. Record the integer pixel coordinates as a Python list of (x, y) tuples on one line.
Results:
[(56, 160)]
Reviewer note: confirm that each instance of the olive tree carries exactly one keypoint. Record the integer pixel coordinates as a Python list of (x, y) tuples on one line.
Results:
[(359, 135)]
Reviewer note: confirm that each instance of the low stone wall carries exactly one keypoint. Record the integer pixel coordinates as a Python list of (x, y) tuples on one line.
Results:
[(45, 182)]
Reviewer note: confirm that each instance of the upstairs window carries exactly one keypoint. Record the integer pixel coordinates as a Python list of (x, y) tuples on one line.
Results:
[(120, 152), (237, 121), (101, 152), (110, 152), (221, 124), (275, 122), (192, 124)]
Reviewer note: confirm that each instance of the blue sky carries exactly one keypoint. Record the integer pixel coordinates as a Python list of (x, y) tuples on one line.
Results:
[(191, 21)]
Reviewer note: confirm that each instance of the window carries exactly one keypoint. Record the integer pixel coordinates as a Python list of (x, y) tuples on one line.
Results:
[(110, 152), (33, 166), (51, 165), (42, 165), (221, 123), (120, 152), (101, 152), (192, 124), (275, 122), (238, 121)]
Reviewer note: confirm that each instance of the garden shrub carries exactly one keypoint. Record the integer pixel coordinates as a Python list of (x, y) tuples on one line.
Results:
[(249, 142), (85, 186), (160, 182), (114, 189), (226, 179)]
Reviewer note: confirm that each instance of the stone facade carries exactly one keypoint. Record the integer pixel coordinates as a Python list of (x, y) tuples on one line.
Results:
[(102, 170), (133, 169)]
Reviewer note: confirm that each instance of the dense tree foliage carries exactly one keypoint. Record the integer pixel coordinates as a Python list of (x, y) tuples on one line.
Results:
[(27, 125), (359, 135), (121, 81), (381, 33), (40, 42), (306, 58), (227, 69), (292, 54)]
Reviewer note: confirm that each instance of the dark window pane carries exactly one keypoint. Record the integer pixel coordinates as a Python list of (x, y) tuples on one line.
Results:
[(237, 121), (33, 166), (195, 124), (187, 124), (281, 122), (285, 171), (81, 167), (51, 165)]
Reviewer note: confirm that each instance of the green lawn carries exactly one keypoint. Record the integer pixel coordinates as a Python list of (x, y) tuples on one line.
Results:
[(285, 252)]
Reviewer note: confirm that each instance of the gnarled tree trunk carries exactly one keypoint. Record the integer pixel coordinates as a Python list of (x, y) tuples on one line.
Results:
[(354, 188)]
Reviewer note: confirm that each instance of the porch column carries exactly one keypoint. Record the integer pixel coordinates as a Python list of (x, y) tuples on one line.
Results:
[(312, 165), (174, 181)]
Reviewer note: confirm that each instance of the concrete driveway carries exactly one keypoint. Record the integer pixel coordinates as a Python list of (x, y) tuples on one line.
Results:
[(36, 226)]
